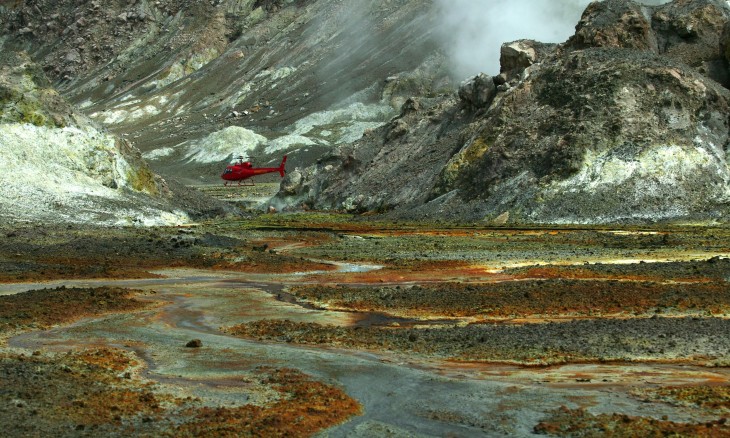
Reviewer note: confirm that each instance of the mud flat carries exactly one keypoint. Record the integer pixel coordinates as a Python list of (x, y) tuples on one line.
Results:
[(306, 324)]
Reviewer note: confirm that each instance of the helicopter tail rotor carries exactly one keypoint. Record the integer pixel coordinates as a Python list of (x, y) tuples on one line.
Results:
[(282, 170)]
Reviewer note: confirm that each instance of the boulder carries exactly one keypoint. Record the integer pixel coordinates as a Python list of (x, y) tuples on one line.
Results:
[(518, 55), (195, 343), (478, 92), (292, 183)]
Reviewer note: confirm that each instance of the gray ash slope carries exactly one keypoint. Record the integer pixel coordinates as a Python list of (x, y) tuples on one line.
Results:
[(624, 122), (193, 83)]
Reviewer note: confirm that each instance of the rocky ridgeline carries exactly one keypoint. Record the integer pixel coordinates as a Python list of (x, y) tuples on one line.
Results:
[(627, 121)]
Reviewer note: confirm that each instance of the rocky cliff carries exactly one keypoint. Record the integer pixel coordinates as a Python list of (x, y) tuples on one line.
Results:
[(627, 121)]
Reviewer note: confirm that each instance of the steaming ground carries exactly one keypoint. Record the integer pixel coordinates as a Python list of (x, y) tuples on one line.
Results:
[(191, 88), (309, 79)]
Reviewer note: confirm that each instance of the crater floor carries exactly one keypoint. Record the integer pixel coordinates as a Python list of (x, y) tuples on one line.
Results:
[(304, 323)]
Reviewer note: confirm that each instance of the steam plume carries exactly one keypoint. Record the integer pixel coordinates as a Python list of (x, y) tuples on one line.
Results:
[(474, 30)]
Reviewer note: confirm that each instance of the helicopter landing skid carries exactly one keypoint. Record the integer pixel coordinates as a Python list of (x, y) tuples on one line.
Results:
[(246, 183)]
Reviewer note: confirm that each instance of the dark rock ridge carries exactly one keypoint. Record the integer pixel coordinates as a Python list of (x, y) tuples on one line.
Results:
[(627, 121)]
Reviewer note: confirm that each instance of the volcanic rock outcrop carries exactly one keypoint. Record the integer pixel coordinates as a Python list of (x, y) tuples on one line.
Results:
[(58, 166), (625, 122)]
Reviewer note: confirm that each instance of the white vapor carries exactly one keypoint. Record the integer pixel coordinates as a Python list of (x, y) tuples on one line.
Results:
[(474, 30)]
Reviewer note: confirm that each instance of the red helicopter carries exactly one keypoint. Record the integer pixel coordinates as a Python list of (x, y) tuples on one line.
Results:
[(244, 170)]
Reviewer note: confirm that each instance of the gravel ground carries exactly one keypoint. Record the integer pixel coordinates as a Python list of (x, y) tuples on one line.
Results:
[(552, 298), (685, 340), (35, 252)]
